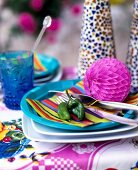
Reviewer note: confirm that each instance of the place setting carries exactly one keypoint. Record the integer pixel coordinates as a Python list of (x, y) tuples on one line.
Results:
[(40, 122), (98, 106), (56, 116)]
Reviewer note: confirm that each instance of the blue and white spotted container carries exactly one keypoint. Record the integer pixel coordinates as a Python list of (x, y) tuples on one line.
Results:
[(96, 39), (132, 58)]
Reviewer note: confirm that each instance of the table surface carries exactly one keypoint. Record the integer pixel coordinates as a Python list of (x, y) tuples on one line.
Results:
[(119, 154)]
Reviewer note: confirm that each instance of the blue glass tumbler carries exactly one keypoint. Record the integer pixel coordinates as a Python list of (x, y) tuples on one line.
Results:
[(16, 70)]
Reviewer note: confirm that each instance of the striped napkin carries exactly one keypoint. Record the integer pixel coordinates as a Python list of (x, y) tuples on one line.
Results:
[(48, 108), (132, 99), (38, 64)]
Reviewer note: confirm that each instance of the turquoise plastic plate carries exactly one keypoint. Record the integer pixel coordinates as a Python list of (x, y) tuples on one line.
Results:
[(50, 63), (41, 92)]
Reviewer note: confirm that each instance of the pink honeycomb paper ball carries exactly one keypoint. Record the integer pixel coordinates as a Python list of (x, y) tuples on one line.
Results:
[(107, 79)]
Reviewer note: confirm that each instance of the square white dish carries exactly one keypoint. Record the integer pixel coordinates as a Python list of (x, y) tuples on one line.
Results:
[(58, 132), (31, 134)]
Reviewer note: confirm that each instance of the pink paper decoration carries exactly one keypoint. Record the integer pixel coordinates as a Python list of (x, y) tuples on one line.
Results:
[(107, 79)]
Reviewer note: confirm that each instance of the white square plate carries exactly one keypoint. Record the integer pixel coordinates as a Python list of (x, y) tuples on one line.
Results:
[(31, 134), (61, 132)]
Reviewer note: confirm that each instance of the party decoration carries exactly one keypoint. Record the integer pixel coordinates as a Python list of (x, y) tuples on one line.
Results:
[(96, 35), (132, 58), (108, 79)]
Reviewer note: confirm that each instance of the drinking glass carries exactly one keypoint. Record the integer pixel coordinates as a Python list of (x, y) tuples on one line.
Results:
[(16, 70)]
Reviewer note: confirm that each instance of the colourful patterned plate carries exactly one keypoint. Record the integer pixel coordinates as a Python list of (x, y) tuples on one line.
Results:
[(40, 93)]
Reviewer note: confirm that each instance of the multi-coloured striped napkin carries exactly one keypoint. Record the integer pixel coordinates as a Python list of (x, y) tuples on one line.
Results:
[(132, 99), (48, 108), (38, 66)]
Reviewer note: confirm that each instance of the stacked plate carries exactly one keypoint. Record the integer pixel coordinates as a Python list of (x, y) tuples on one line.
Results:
[(39, 129), (46, 69)]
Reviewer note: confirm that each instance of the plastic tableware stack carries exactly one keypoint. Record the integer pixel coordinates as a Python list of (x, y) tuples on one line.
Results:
[(40, 117), (46, 69)]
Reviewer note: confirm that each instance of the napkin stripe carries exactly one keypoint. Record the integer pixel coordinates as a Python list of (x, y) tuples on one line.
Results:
[(40, 111), (81, 84), (78, 87), (133, 102), (47, 109), (94, 114), (74, 90), (132, 99), (96, 119), (50, 104), (37, 64)]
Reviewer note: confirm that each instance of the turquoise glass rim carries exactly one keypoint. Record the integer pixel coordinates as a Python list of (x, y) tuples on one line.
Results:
[(7, 55), (41, 92)]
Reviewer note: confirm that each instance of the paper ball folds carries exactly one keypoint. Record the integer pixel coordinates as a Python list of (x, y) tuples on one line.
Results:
[(108, 79)]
